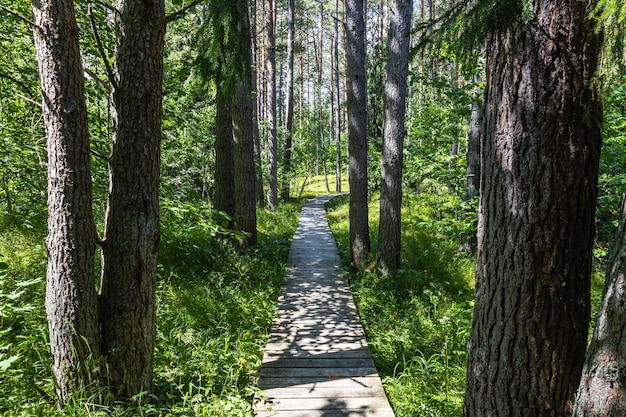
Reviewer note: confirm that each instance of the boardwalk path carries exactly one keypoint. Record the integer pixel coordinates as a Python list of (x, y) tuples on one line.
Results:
[(317, 363)]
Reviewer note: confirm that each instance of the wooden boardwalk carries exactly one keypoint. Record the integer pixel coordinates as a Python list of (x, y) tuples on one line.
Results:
[(317, 363)]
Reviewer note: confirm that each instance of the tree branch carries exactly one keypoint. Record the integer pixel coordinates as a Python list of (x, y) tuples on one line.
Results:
[(103, 54), (20, 17), (107, 6), (177, 15), (99, 80), (18, 82), (99, 155), (30, 100)]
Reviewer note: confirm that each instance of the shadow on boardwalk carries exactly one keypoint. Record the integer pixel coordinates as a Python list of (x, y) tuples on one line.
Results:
[(317, 362)]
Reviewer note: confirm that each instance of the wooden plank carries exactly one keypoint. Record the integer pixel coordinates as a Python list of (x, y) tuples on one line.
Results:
[(323, 362), (324, 392), (309, 345), (350, 403), (310, 383), (321, 373), (378, 412)]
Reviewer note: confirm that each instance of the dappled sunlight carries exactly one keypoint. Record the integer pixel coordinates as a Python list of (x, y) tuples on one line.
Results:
[(317, 361)]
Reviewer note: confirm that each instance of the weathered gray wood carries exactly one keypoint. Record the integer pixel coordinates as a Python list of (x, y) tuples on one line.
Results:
[(379, 412), (311, 384), (317, 362)]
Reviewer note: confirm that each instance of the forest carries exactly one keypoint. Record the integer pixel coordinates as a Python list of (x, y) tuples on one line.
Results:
[(156, 154)]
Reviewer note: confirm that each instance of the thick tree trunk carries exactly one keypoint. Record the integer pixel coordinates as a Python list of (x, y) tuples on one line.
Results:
[(224, 163), (291, 15), (132, 219), (356, 85), (71, 297), (389, 231), (272, 139), (536, 227), (602, 391), (245, 174)]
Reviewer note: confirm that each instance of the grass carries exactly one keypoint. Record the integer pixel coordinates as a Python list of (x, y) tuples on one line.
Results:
[(417, 320), (214, 310)]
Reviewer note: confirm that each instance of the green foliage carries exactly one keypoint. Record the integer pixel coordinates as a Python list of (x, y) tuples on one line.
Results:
[(22, 147), (223, 43), (214, 309), (418, 319), (612, 181)]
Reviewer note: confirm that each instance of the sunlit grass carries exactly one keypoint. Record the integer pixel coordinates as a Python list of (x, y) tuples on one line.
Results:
[(316, 185), (417, 319), (214, 309)]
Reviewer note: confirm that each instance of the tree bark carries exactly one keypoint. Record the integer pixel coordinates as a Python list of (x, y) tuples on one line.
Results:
[(132, 218), (272, 139), (245, 173), (337, 114), (356, 85), (71, 297), (390, 226), (224, 162), (291, 15), (602, 390), (536, 225)]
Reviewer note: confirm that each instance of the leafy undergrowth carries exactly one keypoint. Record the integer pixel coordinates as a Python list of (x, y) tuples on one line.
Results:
[(418, 319), (214, 309)]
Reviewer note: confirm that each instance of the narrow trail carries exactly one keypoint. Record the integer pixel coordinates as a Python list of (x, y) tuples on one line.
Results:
[(317, 362)]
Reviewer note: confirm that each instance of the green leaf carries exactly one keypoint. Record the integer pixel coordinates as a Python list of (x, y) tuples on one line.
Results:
[(6, 364)]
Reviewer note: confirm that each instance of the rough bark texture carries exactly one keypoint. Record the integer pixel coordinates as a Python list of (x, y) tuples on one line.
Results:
[(245, 173), (224, 162), (602, 391), (71, 297), (398, 43), (291, 15), (272, 139), (356, 85), (536, 224), (132, 219)]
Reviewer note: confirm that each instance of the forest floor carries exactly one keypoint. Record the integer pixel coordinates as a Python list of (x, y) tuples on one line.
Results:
[(215, 306)]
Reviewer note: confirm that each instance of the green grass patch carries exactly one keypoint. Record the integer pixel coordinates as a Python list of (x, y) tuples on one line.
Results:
[(417, 319), (214, 310)]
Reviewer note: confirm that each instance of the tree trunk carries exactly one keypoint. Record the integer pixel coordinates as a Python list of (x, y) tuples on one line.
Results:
[(337, 98), (224, 163), (389, 231), (256, 100), (602, 390), (71, 297), (536, 226), (245, 174), (132, 218), (272, 140), (472, 172), (356, 84), (290, 81)]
